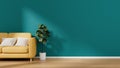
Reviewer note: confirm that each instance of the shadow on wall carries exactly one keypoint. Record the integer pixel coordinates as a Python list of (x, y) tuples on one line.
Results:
[(31, 20), (54, 45)]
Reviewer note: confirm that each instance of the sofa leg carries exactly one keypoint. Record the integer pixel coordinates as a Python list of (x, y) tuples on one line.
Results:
[(31, 59)]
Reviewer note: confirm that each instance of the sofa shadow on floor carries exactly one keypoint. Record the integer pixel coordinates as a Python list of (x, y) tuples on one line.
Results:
[(10, 63), (25, 63)]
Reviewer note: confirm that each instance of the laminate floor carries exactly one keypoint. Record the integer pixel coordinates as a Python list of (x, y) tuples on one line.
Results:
[(60, 63)]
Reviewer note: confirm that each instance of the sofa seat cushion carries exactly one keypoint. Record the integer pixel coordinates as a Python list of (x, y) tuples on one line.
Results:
[(15, 50), (0, 49)]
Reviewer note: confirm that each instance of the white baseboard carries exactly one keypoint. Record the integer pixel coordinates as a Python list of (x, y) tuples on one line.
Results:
[(85, 57)]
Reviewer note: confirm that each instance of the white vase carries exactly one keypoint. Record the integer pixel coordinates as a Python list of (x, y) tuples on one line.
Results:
[(42, 56)]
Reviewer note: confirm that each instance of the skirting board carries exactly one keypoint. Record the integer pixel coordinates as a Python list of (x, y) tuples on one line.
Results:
[(85, 57)]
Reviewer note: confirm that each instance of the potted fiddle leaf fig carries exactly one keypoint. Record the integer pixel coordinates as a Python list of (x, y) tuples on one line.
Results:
[(42, 34)]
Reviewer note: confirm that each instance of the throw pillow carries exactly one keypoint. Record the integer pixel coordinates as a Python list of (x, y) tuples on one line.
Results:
[(22, 42), (8, 41)]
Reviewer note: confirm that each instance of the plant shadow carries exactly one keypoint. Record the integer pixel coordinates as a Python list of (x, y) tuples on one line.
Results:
[(54, 45)]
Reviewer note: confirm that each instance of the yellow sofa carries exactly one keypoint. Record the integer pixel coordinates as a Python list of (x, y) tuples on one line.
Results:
[(18, 51)]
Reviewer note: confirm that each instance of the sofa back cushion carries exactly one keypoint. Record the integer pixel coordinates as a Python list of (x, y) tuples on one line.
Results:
[(3, 35), (16, 35)]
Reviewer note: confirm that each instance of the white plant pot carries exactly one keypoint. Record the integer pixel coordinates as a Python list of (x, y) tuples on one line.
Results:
[(42, 56)]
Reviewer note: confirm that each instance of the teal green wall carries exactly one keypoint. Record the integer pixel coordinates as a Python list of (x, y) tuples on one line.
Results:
[(10, 16), (78, 27)]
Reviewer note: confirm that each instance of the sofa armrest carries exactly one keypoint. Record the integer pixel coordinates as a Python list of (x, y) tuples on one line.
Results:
[(32, 47)]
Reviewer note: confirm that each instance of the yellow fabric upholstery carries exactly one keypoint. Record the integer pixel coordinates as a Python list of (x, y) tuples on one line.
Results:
[(3, 35), (32, 47), (16, 35), (18, 51), (0, 49), (14, 55), (15, 50)]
